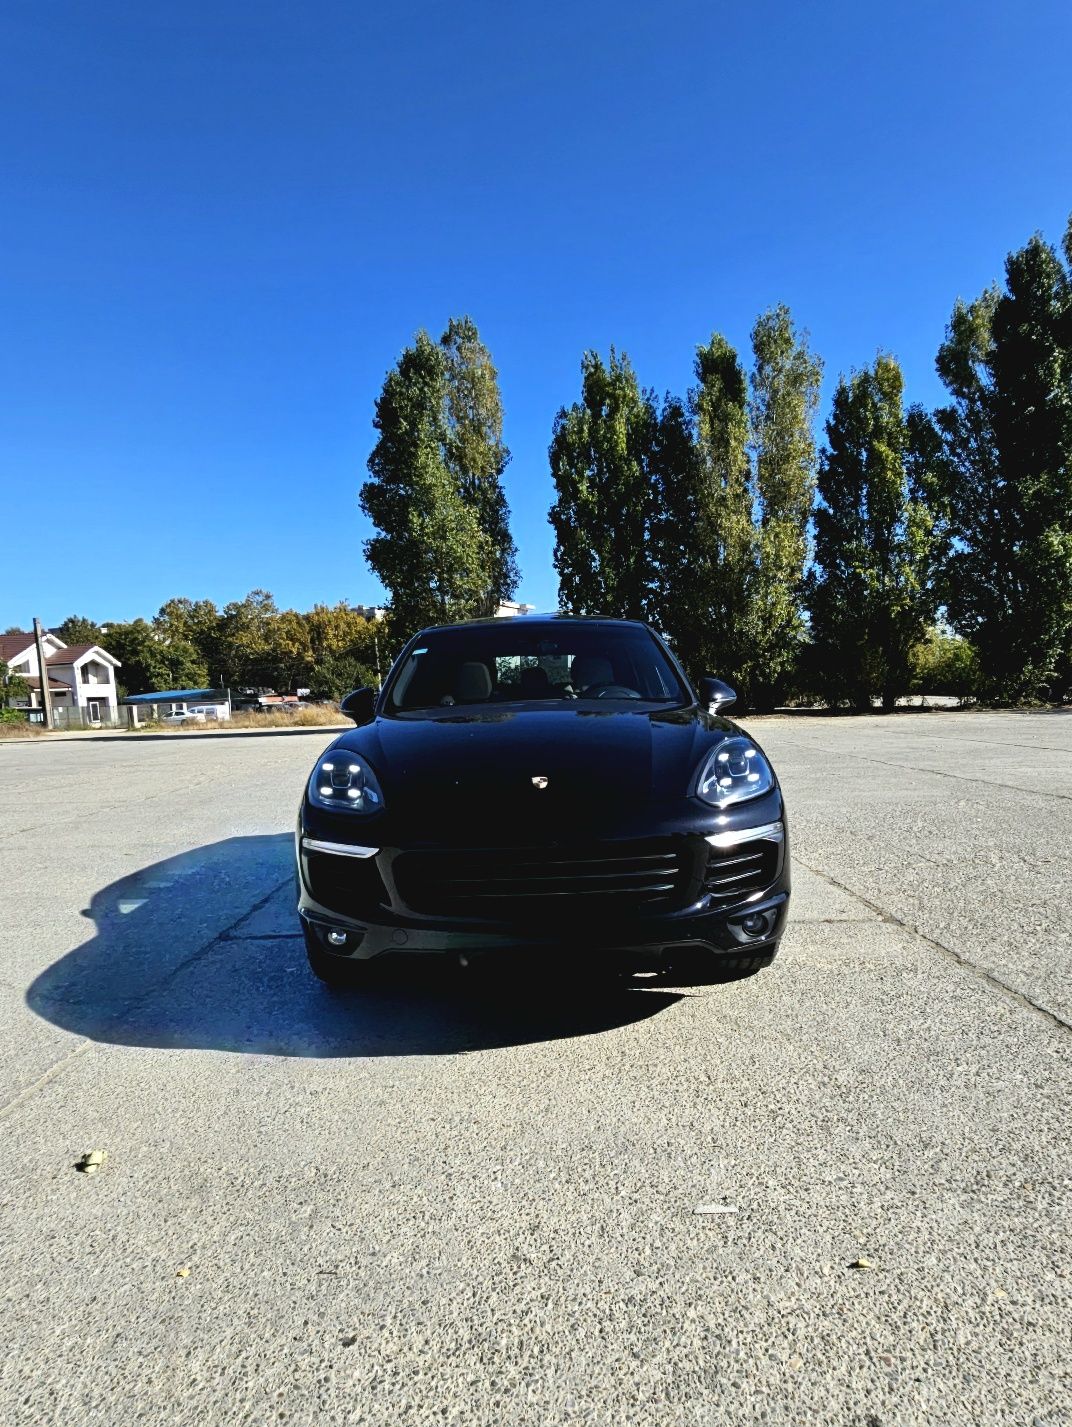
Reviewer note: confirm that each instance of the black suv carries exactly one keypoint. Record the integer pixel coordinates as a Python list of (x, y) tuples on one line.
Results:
[(538, 783)]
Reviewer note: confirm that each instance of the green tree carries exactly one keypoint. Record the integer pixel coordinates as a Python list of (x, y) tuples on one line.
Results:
[(723, 544), (345, 646), (334, 628), (149, 664), (195, 622), (784, 398), (336, 674), (288, 657), (1005, 477), (601, 463), (76, 629), (261, 646), (678, 605), (702, 540), (474, 450), (13, 687), (870, 590), (430, 552), (945, 664)]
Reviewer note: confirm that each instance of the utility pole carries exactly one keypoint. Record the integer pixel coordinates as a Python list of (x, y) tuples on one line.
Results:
[(46, 692)]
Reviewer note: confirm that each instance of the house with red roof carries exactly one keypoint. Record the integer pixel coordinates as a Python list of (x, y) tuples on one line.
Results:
[(81, 677)]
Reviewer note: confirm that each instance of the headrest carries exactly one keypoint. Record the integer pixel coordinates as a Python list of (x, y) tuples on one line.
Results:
[(589, 669), (535, 681), (473, 682)]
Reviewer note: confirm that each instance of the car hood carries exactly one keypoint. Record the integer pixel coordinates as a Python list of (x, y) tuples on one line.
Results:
[(482, 761)]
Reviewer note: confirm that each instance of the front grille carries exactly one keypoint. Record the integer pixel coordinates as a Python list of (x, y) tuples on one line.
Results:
[(540, 883), (735, 873)]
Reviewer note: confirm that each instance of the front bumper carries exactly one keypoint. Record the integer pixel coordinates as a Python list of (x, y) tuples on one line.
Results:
[(365, 892)]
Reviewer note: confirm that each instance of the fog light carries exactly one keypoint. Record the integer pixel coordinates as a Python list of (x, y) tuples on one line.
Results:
[(755, 925), (336, 938)]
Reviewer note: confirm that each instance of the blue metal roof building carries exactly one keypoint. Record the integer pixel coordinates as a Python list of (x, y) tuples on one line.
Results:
[(179, 696)]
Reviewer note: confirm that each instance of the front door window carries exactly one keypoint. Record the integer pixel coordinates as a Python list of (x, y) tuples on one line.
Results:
[(93, 710)]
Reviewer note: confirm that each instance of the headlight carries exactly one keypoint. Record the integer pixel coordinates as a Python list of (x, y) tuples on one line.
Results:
[(733, 772), (344, 783)]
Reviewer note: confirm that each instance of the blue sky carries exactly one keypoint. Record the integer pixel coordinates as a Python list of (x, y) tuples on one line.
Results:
[(220, 222)]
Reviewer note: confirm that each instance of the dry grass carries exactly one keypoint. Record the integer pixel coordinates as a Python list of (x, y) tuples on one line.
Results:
[(307, 716), (22, 729)]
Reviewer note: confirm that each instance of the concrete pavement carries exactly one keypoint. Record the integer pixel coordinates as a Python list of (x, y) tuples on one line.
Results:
[(444, 1205)]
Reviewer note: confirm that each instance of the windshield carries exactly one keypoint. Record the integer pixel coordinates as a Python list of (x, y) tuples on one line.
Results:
[(519, 661)]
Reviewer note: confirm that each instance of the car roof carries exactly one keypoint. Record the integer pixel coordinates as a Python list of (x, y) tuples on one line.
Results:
[(554, 617)]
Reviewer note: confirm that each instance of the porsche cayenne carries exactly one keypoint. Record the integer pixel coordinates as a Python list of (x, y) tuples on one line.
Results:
[(526, 784)]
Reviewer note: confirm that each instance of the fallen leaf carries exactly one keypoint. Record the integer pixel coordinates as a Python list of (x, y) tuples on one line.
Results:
[(183, 1272), (91, 1161), (861, 1263)]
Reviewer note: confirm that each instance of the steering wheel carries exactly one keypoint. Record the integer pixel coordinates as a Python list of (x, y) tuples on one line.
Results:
[(610, 691)]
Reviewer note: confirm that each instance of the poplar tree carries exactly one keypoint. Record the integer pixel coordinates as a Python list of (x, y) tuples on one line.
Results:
[(475, 453), (430, 550), (1006, 473), (678, 605), (783, 401), (708, 535), (601, 463), (871, 595)]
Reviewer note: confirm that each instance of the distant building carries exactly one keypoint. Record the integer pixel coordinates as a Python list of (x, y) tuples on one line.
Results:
[(508, 608), (81, 679), (252, 700), (370, 611), (278, 701)]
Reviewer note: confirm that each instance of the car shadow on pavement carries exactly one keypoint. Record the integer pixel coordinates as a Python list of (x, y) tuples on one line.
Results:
[(203, 951)]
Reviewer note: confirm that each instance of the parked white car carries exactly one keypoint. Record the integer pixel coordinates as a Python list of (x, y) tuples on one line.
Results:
[(191, 716)]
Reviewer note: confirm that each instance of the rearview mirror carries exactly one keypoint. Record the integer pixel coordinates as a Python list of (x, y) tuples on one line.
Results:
[(717, 695), (360, 705)]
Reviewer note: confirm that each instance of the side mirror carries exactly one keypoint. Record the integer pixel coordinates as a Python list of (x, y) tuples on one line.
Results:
[(717, 695), (360, 705)]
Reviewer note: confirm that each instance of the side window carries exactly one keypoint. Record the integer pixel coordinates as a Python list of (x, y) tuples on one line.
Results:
[(507, 670)]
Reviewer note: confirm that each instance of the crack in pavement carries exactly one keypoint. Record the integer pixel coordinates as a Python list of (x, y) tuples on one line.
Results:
[(958, 742), (994, 982), (262, 936), (932, 772)]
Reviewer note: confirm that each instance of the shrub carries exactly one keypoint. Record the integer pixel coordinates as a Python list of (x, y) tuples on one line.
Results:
[(945, 664)]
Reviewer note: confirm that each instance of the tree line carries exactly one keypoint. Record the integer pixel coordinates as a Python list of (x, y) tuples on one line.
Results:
[(248, 644), (909, 548)]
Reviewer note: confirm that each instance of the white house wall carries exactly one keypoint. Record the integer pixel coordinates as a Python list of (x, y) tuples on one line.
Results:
[(101, 686)]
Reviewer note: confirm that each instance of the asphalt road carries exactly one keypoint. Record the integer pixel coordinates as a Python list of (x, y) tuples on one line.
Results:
[(461, 1206)]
